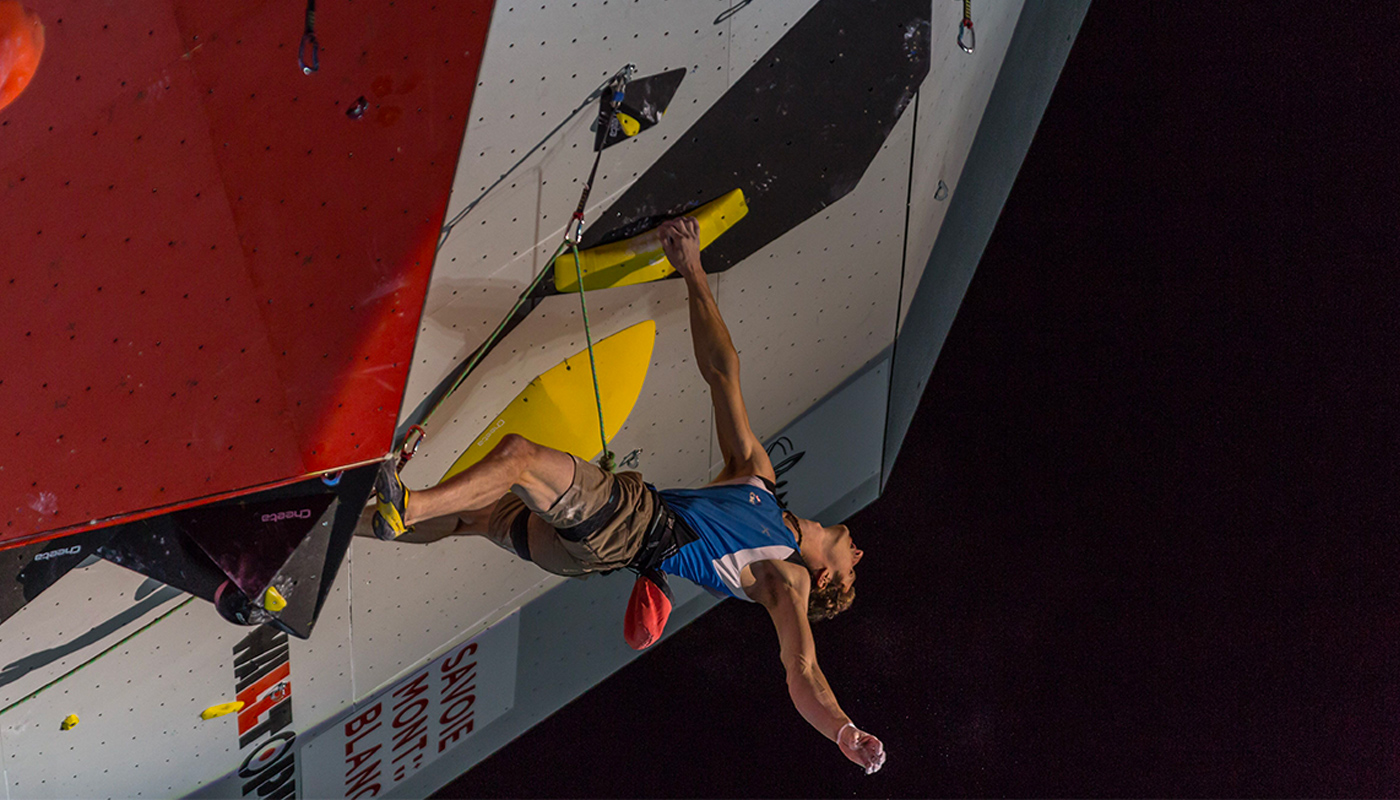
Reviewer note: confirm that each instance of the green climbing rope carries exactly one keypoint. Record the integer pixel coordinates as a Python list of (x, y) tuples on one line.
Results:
[(83, 665), (606, 460), (616, 84)]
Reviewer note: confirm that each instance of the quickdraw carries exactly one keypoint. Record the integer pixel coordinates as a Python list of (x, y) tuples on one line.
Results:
[(308, 36), (965, 29), (607, 118)]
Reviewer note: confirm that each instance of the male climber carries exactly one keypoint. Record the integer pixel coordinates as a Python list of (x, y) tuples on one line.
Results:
[(732, 537)]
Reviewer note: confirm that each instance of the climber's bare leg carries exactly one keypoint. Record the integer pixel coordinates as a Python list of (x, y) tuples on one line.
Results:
[(538, 475)]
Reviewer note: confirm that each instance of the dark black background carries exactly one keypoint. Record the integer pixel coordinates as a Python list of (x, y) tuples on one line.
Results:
[(1141, 536)]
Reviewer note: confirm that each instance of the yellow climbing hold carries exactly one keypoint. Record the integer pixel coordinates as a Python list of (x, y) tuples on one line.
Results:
[(640, 259), (557, 409), (630, 126), (221, 709), (273, 600), (69, 723)]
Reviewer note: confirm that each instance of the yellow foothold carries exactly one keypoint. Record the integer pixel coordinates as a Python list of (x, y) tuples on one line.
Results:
[(69, 722), (273, 600), (630, 126), (221, 709)]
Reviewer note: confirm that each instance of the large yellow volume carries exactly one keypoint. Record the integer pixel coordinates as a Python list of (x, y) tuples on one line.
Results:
[(558, 408), (640, 259)]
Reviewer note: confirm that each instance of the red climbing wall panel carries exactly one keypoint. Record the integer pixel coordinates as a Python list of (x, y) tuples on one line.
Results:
[(210, 274)]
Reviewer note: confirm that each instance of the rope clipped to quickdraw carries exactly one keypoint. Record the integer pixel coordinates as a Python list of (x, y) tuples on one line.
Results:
[(408, 451), (606, 459), (965, 29), (573, 232), (607, 118)]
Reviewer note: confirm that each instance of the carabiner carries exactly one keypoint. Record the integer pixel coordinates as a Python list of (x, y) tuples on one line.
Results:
[(330, 479), (407, 452), (966, 28), (309, 37)]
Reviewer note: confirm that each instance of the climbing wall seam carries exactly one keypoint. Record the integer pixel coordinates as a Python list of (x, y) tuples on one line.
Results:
[(950, 112), (805, 310)]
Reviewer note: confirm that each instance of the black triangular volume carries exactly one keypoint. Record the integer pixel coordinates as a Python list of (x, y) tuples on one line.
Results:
[(354, 490), (159, 550), (305, 580), (251, 538), (643, 101), (305, 577)]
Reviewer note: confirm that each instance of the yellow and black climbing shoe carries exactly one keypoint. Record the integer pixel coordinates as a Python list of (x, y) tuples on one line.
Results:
[(393, 497)]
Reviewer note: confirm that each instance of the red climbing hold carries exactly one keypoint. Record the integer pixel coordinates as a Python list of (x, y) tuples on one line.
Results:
[(21, 46)]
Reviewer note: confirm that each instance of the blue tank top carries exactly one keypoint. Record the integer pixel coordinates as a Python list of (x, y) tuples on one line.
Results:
[(738, 524)]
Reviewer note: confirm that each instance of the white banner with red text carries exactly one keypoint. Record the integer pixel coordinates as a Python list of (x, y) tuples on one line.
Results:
[(396, 732)]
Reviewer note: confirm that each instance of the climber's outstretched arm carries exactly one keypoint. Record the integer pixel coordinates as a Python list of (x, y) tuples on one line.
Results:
[(715, 356)]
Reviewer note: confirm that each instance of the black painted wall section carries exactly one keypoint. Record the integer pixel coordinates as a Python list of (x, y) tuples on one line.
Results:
[(796, 132), (1039, 47)]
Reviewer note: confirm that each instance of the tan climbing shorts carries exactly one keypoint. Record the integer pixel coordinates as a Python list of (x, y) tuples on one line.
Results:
[(614, 543)]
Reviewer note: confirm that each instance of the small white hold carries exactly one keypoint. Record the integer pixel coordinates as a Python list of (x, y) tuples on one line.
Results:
[(45, 503)]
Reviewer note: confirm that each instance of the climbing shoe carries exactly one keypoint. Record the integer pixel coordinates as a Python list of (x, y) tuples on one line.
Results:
[(393, 497)]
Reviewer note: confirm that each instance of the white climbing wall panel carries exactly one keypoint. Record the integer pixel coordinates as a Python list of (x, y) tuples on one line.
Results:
[(73, 621), (818, 304), (950, 107), (411, 600), (139, 732)]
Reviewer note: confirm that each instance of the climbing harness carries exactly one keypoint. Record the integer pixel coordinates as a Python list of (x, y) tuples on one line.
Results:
[(612, 92), (965, 29), (308, 37)]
